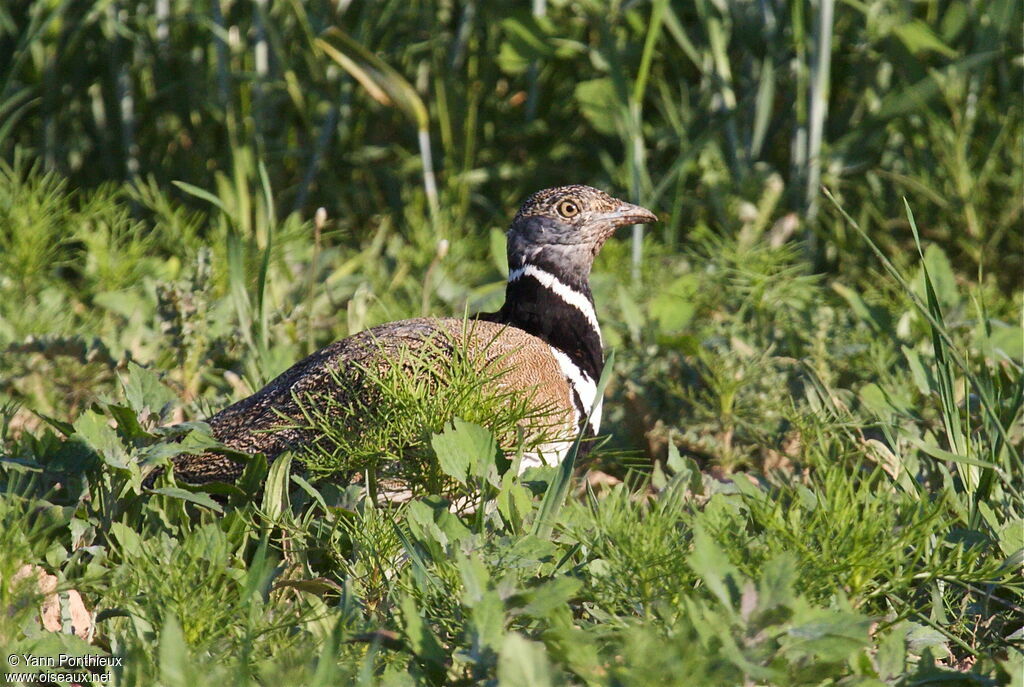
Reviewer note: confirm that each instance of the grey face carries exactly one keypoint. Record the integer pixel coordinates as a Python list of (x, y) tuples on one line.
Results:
[(565, 227)]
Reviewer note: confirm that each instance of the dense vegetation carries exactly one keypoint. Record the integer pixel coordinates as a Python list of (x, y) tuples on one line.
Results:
[(812, 472)]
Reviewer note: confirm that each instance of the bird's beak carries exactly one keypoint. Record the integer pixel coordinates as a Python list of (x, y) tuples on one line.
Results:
[(627, 213), (623, 215)]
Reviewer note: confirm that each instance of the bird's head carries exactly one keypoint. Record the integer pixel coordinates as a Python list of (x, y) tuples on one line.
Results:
[(563, 228)]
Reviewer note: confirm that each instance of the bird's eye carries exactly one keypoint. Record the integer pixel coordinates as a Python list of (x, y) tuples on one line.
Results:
[(567, 208)]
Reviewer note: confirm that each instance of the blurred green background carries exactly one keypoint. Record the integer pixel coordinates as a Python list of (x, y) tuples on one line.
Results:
[(138, 136), (694, 108)]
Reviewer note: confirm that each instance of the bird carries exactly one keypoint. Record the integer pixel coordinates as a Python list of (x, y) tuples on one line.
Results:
[(546, 337)]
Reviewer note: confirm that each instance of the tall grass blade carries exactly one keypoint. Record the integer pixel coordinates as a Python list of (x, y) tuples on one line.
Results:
[(637, 144), (203, 194), (987, 403), (262, 312), (818, 95), (388, 87)]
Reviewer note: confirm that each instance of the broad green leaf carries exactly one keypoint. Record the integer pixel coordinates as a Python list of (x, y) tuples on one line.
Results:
[(922, 376), (552, 594), (194, 442), (530, 36), (128, 539), (125, 303), (600, 104), (921, 637), (658, 478), (891, 658), (514, 501), (883, 402), (712, 565), (532, 552), (50, 644), (954, 19), (1005, 342), (94, 430), (828, 635), (488, 619), (420, 518), (510, 60), (942, 454), (672, 312), (465, 450), (1011, 535), (421, 573), (686, 473), (173, 655), (260, 571), (196, 497), (940, 271), (475, 579), (275, 494), (808, 499), (877, 318), (128, 426), (523, 663), (144, 390), (918, 37), (311, 490), (917, 96), (777, 581), (65, 428)]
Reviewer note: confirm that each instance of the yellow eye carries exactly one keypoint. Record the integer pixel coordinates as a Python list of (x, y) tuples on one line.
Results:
[(567, 208)]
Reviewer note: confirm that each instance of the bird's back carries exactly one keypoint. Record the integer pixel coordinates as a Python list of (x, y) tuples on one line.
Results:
[(271, 420)]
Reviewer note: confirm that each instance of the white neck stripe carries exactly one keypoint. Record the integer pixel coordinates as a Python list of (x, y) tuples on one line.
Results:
[(561, 289), (583, 385)]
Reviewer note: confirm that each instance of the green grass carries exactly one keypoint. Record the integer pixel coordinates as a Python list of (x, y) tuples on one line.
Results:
[(411, 398), (814, 407)]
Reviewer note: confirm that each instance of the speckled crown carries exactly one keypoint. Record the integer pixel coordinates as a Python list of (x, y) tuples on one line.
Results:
[(545, 202)]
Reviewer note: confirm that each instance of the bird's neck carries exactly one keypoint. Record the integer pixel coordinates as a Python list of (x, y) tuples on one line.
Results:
[(557, 307)]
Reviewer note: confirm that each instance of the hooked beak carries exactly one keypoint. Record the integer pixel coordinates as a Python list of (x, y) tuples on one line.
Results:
[(623, 216), (627, 213)]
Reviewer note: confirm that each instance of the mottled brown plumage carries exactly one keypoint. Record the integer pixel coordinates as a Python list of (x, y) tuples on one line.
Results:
[(259, 423), (545, 339)]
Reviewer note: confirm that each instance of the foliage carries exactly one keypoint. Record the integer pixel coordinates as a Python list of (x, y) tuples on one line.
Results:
[(867, 547), (812, 470), (693, 108), (402, 398)]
